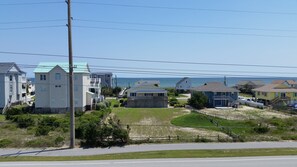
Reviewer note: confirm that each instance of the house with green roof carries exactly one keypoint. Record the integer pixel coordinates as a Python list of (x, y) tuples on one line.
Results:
[(52, 87)]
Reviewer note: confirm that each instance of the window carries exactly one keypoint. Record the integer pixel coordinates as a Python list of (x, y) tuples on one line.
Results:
[(132, 94), (148, 94), (10, 78), (295, 94), (42, 77), (10, 88), (160, 94), (58, 76)]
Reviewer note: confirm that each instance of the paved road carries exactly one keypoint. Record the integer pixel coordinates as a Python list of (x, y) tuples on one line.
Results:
[(144, 147), (285, 161)]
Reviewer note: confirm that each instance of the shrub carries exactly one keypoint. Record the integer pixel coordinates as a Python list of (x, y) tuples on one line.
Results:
[(79, 113), (107, 103), (101, 106), (24, 121), (49, 121), (116, 105), (42, 130), (173, 101), (198, 100), (59, 140), (261, 129), (4, 143), (17, 110), (179, 105)]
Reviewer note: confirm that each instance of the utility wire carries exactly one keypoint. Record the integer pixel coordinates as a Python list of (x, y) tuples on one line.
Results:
[(182, 26), (184, 8), (32, 21), (186, 32), (150, 61), (31, 27), (31, 3)]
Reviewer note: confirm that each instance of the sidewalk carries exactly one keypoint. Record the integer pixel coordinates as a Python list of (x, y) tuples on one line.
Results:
[(142, 148)]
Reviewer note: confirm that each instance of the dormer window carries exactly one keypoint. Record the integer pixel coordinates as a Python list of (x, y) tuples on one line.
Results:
[(42, 77), (10, 78)]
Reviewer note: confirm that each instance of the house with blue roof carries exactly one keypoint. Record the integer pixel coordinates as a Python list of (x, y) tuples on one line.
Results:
[(52, 87)]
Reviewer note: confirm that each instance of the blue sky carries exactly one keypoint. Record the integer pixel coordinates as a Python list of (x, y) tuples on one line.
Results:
[(239, 46)]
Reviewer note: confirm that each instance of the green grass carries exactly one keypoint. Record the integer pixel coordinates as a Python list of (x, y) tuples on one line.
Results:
[(136, 115), (182, 101), (197, 120), (2, 118), (113, 102), (163, 154)]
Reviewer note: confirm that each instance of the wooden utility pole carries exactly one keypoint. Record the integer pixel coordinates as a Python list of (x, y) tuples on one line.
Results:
[(71, 90)]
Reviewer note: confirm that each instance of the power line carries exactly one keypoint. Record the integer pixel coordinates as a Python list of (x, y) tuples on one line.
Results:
[(166, 69), (150, 61), (31, 27), (184, 8), (182, 26), (30, 3), (32, 21), (187, 32)]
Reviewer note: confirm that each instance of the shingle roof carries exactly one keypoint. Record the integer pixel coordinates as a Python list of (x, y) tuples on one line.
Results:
[(214, 87), (255, 82), (46, 67), (146, 89), (182, 80), (290, 82), (274, 88), (6, 66)]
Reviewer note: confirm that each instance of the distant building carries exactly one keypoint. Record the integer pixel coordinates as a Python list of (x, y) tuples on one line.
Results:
[(218, 94), (106, 78), (276, 93), (147, 97), (13, 83), (52, 90), (289, 83), (250, 84), (154, 83), (184, 84)]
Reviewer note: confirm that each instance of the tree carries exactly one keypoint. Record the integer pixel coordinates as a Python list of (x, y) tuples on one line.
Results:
[(198, 100)]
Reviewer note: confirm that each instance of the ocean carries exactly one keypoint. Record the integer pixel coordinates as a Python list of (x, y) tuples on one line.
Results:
[(170, 82)]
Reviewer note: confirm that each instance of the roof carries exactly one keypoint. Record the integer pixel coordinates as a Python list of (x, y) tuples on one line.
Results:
[(255, 82), (275, 88), (6, 66), (214, 87), (182, 80), (290, 82), (102, 73), (46, 67), (147, 89)]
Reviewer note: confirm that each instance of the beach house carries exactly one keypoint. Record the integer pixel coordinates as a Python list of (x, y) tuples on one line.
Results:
[(218, 94), (52, 90), (13, 84), (184, 84)]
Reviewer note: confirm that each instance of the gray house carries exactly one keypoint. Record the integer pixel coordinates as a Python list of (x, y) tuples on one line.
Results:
[(105, 77), (13, 84), (218, 94), (249, 84), (147, 97)]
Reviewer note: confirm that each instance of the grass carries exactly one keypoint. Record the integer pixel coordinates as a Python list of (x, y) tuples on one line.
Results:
[(113, 102), (197, 120), (163, 154), (2, 118)]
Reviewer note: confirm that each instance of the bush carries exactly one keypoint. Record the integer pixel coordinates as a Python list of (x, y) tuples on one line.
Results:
[(261, 129), (42, 130), (24, 121), (4, 143), (49, 121), (78, 113), (179, 105), (107, 103), (59, 141), (101, 106), (198, 100), (17, 110), (173, 101), (116, 105)]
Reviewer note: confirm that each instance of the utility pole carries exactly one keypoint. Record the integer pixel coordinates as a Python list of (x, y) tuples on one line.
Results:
[(71, 90)]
